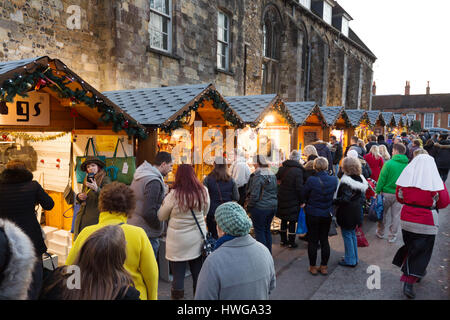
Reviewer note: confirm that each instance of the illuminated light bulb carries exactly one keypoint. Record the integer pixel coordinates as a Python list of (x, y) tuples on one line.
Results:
[(270, 118)]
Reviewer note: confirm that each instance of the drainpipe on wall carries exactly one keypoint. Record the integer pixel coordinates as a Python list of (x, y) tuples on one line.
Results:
[(245, 67), (308, 77)]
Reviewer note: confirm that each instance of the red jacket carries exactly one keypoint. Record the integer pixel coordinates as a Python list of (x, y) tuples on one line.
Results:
[(375, 165), (423, 198)]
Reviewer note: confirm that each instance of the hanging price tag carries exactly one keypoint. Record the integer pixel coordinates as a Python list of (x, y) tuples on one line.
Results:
[(125, 168)]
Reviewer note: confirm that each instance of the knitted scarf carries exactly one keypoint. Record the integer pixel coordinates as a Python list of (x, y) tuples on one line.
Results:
[(222, 240)]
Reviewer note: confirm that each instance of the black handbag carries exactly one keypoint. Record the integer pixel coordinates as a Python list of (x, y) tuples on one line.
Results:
[(208, 242)]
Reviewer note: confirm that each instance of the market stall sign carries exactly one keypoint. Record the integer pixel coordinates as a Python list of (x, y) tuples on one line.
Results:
[(33, 110)]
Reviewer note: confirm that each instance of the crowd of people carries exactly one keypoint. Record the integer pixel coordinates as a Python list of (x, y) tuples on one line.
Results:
[(119, 229)]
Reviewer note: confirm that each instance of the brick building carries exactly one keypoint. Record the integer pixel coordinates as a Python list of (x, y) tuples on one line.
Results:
[(301, 49), (432, 110)]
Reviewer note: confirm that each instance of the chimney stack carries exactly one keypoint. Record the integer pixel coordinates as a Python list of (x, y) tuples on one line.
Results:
[(428, 87), (374, 89), (407, 88)]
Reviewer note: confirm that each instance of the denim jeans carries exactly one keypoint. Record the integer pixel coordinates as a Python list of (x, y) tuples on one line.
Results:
[(155, 245), (262, 219), (336, 169), (351, 246)]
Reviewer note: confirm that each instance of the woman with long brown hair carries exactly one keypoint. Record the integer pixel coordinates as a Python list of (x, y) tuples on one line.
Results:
[(94, 181), (187, 198), (102, 275), (221, 188)]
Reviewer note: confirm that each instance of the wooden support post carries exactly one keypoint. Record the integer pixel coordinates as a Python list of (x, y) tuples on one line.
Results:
[(326, 134), (294, 138), (147, 149)]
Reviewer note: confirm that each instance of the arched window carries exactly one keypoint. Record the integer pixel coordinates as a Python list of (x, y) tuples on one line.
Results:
[(272, 29), (271, 33)]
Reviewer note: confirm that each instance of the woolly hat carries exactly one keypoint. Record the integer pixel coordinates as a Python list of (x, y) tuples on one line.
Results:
[(233, 219), (90, 159)]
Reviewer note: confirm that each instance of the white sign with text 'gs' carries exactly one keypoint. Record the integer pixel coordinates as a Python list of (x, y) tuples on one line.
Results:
[(33, 110)]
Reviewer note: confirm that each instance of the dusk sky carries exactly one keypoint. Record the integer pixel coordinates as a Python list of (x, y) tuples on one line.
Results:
[(410, 40)]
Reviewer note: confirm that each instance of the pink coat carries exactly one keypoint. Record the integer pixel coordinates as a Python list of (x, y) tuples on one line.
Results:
[(415, 196), (375, 165)]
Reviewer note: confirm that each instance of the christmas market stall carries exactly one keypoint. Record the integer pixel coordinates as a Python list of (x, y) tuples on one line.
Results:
[(193, 122), (338, 125), (310, 123), (376, 122), (360, 121), (47, 113), (269, 126), (389, 121)]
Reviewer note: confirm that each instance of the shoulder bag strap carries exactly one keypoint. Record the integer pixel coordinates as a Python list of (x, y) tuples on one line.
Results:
[(198, 225)]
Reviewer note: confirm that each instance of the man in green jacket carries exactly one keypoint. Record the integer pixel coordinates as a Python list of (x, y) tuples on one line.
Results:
[(386, 186)]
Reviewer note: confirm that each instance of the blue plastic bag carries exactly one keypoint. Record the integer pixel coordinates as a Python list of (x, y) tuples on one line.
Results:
[(301, 223), (379, 207), (372, 210), (376, 208)]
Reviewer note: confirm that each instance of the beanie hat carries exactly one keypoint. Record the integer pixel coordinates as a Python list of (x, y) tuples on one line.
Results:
[(233, 219)]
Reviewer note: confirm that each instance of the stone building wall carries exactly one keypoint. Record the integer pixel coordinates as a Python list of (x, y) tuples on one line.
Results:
[(111, 48)]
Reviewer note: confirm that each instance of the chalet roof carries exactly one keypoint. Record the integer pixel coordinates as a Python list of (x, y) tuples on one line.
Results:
[(249, 108), (154, 106)]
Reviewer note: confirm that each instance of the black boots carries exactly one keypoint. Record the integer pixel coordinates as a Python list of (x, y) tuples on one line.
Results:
[(177, 294), (408, 290), (283, 238)]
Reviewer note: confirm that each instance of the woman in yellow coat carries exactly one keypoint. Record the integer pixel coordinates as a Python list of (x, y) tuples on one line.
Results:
[(116, 202)]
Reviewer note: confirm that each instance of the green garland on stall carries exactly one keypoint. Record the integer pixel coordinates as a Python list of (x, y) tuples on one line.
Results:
[(43, 76), (279, 107), (218, 103)]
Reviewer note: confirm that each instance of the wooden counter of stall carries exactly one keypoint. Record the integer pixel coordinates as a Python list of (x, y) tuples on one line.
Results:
[(269, 126), (190, 122), (310, 122), (44, 105)]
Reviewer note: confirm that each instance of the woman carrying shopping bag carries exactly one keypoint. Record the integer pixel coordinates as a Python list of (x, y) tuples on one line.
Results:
[(351, 191)]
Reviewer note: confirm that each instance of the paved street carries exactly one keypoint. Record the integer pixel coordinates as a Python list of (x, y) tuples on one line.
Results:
[(295, 283)]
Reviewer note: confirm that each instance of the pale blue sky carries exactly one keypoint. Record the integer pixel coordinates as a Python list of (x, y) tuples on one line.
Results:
[(410, 39)]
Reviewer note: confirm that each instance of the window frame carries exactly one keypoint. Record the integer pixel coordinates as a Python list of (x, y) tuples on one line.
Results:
[(308, 6), (346, 23), (329, 8), (409, 115), (169, 27), (226, 44), (425, 120)]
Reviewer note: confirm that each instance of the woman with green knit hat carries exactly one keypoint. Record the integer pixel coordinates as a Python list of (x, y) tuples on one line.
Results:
[(240, 268)]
